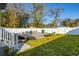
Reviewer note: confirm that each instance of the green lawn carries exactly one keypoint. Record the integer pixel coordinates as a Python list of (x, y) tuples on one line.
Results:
[(41, 41), (65, 45)]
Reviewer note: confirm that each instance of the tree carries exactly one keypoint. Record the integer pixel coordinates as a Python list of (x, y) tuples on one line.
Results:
[(22, 15), (13, 23), (2, 19), (76, 22), (14, 16), (67, 22), (38, 15), (8, 18), (55, 15), (23, 18)]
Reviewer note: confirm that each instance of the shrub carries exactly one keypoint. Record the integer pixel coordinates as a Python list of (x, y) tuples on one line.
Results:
[(7, 50), (43, 31)]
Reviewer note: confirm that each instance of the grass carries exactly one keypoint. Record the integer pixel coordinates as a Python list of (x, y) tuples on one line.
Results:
[(41, 41), (67, 45), (38, 42)]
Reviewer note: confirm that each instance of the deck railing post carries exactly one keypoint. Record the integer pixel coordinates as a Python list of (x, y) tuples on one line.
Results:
[(16, 41), (12, 40)]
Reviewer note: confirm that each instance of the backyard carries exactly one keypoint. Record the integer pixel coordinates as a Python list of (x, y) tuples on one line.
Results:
[(56, 45), (39, 29)]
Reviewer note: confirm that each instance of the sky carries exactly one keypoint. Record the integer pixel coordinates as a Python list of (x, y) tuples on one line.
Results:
[(71, 10)]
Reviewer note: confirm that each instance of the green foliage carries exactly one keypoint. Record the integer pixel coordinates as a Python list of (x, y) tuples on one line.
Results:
[(70, 23), (13, 17), (7, 50)]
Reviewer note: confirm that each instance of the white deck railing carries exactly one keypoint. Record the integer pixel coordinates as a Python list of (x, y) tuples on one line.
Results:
[(8, 38)]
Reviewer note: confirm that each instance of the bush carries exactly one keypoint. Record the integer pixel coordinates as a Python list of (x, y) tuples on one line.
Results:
[(43, 31), (7, 50)]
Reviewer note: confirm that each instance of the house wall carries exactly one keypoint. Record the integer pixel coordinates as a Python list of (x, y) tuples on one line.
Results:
[(60, 30)]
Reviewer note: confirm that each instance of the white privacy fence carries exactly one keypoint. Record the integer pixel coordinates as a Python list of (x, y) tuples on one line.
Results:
[(60, 30)]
